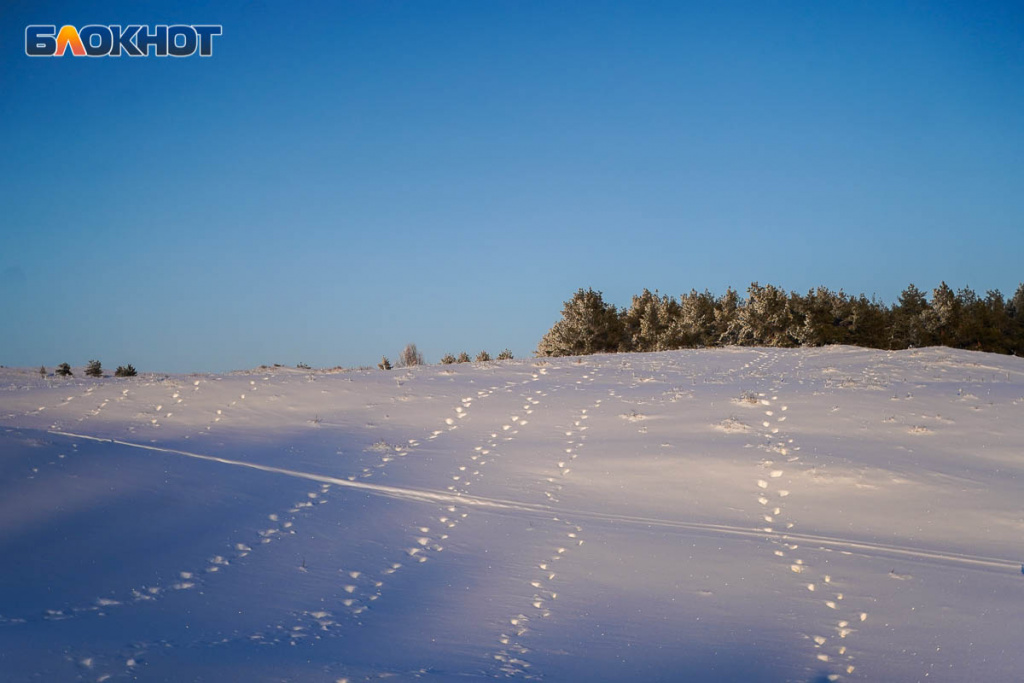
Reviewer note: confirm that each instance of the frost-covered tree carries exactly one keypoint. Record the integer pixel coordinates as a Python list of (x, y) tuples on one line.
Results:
[(697, 323), (772, 317), (447, 359), (483, 357), (588, 325), (942, 318), (94, 369), (727, 318), (642, 327), (463, 358), (765, 319), (506, 354), (410, 357)]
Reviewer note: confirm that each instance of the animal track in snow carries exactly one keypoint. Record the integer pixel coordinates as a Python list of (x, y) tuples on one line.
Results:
[(512, 650), (827, 650)]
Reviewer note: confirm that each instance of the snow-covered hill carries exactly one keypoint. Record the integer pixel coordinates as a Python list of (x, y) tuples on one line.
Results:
[(713, 515)]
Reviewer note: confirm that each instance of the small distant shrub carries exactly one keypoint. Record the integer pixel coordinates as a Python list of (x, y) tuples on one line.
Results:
[(64, 370), (463, 358), (384, 363), (303, 366), (483, 357), (447, 359), (410, 356), (42, 371), (505, 355), (94, 369), (125, 371)]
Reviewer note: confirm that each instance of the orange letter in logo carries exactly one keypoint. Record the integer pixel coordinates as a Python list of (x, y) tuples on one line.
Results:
[(68, 37)]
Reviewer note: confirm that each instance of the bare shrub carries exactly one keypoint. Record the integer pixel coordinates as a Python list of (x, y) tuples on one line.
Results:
[(410, 357)]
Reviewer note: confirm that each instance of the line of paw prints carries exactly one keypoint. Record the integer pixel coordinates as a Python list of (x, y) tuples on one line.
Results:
[(830, 649), (282, 525), (511, 657)]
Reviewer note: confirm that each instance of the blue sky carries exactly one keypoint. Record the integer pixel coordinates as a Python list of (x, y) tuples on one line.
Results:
[(341, 178)]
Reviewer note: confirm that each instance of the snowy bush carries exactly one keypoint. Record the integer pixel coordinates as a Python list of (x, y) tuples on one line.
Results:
[(125, 371), (447, 359), (384, 363), (505, 355), (410, 357), (64, 370), (463, 358), (483, 357)]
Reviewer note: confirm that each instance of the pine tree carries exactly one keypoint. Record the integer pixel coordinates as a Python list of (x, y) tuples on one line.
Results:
[(772, 317), (588, 325), (673, 335), (125, 371), (384, 363), (641, 326), (697, 323), (908, 320), (942, 318), (463, 358), (447, 359), (94, 369), (870, 322), (483, 357), (727, 318), (996, 325), (766, 318), (1015, 306), (505, 355), (1015, 309), (42, 371), (64, 370), (822, 317)]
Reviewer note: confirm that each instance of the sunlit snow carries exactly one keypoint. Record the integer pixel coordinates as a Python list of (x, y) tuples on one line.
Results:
[(707, 515)]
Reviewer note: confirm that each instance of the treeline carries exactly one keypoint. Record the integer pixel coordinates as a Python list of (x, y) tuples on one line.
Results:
[(769, 316)]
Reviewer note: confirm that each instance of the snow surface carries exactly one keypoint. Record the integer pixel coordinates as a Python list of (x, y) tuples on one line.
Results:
[(710, 515)]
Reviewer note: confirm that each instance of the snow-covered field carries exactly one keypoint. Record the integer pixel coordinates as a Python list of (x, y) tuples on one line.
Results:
[(712, 515)]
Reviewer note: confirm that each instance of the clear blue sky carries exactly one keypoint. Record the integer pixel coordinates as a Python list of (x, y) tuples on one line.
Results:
[(343, 177)]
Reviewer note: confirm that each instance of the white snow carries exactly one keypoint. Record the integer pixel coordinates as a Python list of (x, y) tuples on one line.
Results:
[(712, 515)]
